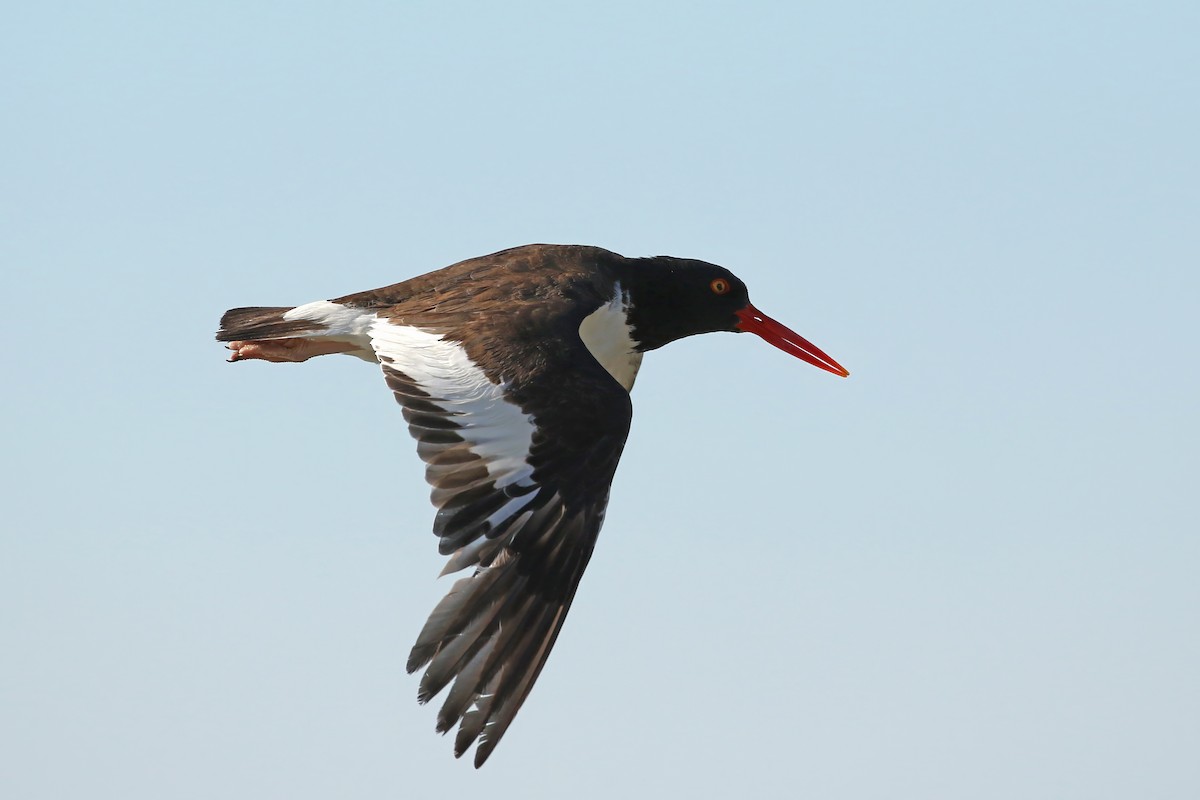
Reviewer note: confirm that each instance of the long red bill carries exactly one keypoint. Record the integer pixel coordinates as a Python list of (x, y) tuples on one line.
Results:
[(754, 321)]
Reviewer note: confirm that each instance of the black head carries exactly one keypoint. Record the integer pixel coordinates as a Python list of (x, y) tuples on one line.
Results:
[(676, 297)]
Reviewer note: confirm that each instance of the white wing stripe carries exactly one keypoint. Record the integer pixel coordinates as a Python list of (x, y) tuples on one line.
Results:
[(494, 429)]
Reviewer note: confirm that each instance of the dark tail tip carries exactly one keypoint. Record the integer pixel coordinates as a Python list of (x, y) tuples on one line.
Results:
[(259, 322)]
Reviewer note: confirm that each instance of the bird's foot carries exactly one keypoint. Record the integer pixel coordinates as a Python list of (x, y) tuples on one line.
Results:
[(281, 351)]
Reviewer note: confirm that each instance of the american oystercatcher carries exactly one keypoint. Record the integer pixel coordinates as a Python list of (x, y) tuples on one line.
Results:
[(513, 371)]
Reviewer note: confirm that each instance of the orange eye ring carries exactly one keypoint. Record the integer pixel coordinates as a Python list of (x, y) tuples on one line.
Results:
[(719, 286)]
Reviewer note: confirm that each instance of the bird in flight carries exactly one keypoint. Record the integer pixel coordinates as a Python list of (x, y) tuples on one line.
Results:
[(513, 371)]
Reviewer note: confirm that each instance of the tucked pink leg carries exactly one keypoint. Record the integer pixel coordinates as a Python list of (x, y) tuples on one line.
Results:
[(281, 351)]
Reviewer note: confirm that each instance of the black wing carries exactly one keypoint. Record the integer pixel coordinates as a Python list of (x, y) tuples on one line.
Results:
[(521, 472)]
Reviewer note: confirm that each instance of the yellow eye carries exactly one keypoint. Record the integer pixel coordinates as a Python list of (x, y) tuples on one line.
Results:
[(719, 286)]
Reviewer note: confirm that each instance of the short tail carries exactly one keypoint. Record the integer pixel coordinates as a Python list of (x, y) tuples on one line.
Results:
[(259, 322)]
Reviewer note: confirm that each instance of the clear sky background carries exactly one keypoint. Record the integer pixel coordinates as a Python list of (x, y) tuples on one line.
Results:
[(969, 571)]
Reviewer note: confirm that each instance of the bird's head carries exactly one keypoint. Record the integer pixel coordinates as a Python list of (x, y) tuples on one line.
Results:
[(676, 297)]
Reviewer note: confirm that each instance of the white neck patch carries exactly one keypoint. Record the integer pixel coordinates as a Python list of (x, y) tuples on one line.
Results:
[(609, 338)]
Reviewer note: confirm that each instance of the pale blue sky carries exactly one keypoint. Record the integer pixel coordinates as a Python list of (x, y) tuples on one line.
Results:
[(969, 571)]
